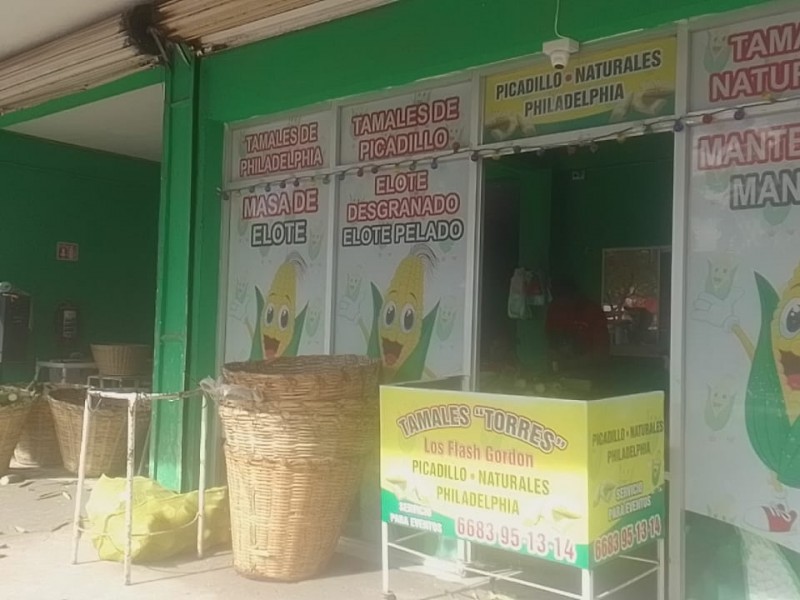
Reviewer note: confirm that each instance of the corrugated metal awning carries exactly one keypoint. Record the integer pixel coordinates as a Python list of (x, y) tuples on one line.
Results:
[(130, 42)]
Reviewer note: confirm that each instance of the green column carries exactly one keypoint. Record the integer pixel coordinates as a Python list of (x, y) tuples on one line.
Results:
[(171, 420), (534, 253)]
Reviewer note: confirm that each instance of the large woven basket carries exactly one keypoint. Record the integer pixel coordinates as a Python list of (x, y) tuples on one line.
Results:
[(15, 404), (296, 437), (108, 430), (38, 444), (122, 360)]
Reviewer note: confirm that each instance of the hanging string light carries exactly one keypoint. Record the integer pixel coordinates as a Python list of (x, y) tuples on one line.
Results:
[(676, 124)]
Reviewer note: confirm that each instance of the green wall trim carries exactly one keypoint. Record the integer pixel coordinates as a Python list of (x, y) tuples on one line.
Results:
[(108, 205), (173, 316), (412, 40), (129, 83)]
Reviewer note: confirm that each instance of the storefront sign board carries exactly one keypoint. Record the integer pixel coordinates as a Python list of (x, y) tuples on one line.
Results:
[(617, 85), (277, 265), (402, 269), (747, 62), (568, 481), (742, 361), (279, 148), (414, 124)]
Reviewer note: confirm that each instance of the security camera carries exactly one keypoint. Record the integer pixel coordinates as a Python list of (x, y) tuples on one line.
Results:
[(559, 59), (559, 51)]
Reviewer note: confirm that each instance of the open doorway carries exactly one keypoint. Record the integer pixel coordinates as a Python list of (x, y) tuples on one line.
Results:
[(590, 227), (597, 220)]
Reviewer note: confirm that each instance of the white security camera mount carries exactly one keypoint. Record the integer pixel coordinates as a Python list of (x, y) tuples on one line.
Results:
[(560, 50)]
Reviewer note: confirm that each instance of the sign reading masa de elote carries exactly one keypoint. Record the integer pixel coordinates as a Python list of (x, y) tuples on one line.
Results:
[(568, 481), (277, 271)]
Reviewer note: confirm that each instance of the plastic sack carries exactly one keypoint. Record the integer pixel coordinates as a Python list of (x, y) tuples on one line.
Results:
[(519, 306), (162, 520), (229, 393)]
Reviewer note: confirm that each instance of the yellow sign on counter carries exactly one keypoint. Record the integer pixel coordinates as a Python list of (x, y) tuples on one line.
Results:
[(569, 481)]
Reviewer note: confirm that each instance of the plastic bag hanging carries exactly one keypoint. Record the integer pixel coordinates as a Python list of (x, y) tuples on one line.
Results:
[(536, 290), (518, 307)]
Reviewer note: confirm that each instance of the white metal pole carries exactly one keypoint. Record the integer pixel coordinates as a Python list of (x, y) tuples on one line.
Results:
[(661, 574), (677, 389), (587, 584), (201, 492), (385, 558), (131, 453), (76, 518)]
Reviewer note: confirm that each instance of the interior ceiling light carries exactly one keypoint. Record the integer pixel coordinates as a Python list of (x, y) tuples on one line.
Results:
[(100, 53), (211, 24)]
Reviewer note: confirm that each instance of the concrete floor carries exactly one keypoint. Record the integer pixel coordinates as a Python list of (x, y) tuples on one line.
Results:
[(35, 553)]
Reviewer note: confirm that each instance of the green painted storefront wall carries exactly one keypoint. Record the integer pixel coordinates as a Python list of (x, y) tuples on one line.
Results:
[(412, 40), (171, 436), (108, 205), (391, 46)]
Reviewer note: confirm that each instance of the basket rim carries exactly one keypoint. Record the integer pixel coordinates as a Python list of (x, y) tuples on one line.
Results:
[(328, 363), (17, 405), (111, 345)]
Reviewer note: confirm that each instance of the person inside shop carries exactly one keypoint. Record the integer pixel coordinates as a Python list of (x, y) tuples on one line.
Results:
[(577, 330)]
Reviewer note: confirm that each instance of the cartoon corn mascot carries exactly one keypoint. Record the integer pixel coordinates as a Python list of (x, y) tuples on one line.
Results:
[(281, 326), (400, 336), (750, 566), (772, 402)]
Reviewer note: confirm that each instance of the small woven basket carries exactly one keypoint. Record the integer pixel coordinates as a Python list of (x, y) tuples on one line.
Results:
[(38, 444), (122, 360), (108, 430), (297, 431), (15, 404)]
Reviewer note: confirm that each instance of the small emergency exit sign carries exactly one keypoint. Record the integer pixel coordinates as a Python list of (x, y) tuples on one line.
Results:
[(67, 251)]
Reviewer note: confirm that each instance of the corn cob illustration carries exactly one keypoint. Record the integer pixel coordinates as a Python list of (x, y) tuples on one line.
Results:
[(400, 317), (786, 345), (768, 574), (279, 318)]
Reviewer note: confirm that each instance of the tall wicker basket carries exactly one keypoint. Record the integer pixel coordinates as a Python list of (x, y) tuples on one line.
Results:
[(38, 444), (15, 404), (108, 430), (294, 449), (124, 360)]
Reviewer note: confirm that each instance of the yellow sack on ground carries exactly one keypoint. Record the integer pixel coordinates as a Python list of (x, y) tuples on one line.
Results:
[(162, 520)]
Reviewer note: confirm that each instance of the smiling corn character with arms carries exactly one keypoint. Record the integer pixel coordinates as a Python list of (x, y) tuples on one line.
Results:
[(281, 324), (400, 335)]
